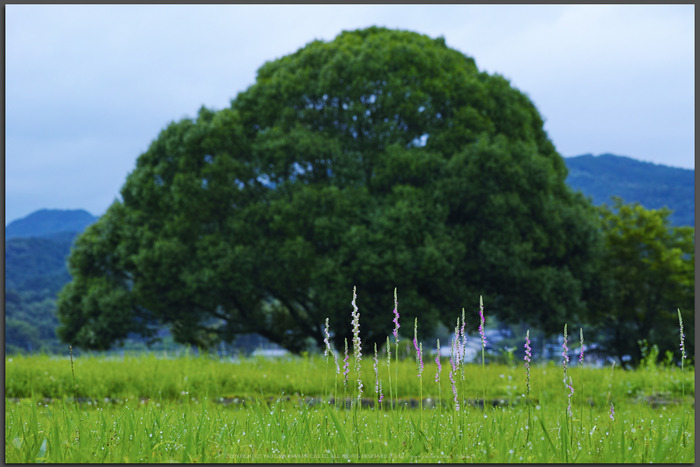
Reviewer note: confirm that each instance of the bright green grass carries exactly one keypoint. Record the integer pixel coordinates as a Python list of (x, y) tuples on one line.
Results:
[(151, 376), (192, 431), (180, 419)]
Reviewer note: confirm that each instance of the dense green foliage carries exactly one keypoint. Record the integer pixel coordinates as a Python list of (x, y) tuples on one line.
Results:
[(149, 409), (651, 185), (648, 274), (380, 159)]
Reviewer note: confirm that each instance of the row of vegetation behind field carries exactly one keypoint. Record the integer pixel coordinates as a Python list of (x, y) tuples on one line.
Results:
[(159, 376)]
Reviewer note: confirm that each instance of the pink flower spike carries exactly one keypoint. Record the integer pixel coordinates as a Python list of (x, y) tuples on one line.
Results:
[(564, 353), (528, 356), (483, 321), (437, 360), (571, 388), (396, 318), (458, 353), (528, 349), (680, 322), (463, 343)]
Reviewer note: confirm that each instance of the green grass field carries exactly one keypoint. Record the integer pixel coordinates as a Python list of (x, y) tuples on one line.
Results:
[(145, 408)]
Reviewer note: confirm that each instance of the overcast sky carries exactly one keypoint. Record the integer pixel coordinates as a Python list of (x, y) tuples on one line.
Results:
[(88, 87)]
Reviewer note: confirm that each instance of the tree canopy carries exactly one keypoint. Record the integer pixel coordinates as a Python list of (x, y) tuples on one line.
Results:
[(648, 275), (380, 159)]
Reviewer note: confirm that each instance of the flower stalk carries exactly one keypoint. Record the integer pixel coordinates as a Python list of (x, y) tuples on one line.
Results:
[(453, 369), (419, 363), (612, 408), (346, 364), (437, 374), (528, 357), (377, 388), (396, 342), (462, 344), (419, 351), (680, 324), (357, 343), (482, 323), (580, 360), (326, 341), (388, 366)]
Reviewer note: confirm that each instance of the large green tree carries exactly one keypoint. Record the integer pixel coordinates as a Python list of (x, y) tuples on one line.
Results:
[(380, 159), (648, 274)]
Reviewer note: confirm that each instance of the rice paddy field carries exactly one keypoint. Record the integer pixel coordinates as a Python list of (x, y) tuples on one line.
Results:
[(187, 409)]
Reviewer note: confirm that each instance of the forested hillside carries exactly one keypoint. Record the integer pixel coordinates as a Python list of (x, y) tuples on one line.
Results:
[(36, 248), (651, 185)]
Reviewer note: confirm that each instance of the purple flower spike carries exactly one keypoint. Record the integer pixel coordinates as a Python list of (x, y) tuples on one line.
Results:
[(463, 344), (571, 388), (396, 318), (580, 357), (528, 349), (458, 352), (680, 322), (528, 356), (564, 353), (437, 360), (612, 412), (483, 322)]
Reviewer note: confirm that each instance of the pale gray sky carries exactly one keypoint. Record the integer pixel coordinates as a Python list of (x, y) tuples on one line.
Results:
[(88, 87)]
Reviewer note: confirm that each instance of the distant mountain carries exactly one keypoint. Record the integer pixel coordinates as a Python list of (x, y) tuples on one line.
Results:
[(49, 222), (651, 185), (36, 252)]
